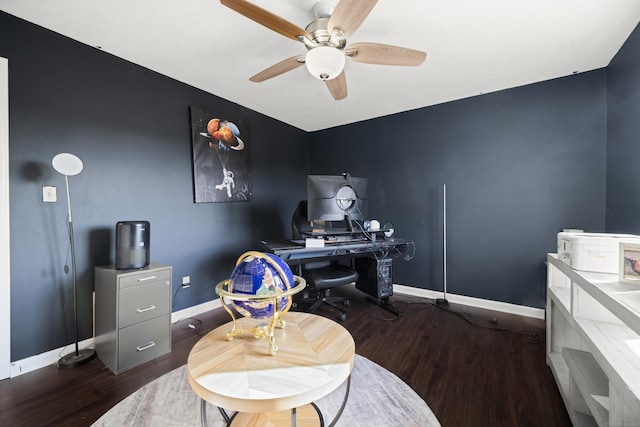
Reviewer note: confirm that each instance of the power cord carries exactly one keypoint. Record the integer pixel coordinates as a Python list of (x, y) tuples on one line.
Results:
[(176, 298), (194, 324)]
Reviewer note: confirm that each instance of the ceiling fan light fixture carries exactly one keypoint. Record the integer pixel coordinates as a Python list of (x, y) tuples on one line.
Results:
[(325, 62)]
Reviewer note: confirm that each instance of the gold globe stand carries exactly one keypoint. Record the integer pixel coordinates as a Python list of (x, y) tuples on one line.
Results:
[(261, 330)]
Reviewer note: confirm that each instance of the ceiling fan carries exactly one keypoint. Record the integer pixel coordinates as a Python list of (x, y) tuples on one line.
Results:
[(326, 41)]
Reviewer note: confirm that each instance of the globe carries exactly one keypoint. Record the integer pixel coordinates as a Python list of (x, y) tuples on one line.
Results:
[(257, 274)]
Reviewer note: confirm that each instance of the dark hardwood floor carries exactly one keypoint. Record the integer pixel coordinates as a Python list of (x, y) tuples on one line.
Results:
[(473, 367)]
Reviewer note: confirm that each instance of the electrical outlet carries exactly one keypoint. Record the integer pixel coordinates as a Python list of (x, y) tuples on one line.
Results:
[(186, 281), (49, 194)]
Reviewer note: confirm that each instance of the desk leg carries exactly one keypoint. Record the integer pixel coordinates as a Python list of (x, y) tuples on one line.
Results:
[(225, 416), (203, 414), (386, 304), (344, 403), (319, 412)]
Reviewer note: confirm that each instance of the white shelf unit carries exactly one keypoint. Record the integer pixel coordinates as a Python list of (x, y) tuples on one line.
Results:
[(593, 344)]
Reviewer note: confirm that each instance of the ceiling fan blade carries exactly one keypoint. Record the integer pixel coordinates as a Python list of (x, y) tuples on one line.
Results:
[(384, 54), (266, 18), (279, 68), (338, 86), (348, 15)]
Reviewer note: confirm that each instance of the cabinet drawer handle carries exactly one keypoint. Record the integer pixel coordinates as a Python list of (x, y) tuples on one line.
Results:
[(142, 279), (146, 346), (142, 310)]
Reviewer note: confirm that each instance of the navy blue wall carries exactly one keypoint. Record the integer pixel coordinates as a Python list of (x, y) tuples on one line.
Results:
[(519, 165), (623, 138), (130, 126)]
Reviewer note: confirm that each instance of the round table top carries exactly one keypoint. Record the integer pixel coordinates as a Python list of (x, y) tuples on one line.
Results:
[(315, 355)]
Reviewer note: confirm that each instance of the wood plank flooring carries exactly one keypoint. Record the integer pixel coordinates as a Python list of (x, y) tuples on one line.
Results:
[(473, 367)]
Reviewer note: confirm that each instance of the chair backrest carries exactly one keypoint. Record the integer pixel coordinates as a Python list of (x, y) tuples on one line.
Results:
[(299, 223), (301, 228)]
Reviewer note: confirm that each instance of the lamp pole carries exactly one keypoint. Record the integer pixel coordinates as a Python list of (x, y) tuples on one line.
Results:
[(73, 265), (69, 165), (443, 300)]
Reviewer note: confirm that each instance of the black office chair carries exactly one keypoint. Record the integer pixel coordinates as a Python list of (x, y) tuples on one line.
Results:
[(321, 276)]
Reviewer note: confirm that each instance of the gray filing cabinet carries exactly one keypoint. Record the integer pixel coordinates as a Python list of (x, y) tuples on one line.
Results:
[(133, 315)]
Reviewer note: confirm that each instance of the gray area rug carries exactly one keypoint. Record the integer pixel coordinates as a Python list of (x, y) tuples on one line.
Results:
[(377, 398)]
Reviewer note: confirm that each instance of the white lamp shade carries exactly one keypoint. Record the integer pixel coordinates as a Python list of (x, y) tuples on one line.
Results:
[(325, 62), (67, 164)]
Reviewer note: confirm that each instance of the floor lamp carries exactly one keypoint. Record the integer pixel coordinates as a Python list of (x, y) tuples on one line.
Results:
[(443, 300), (70, 165)]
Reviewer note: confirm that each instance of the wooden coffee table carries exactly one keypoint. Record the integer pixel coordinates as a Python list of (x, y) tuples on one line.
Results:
[(315, 356)]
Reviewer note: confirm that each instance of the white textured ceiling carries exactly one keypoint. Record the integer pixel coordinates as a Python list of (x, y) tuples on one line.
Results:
[(472, 46)]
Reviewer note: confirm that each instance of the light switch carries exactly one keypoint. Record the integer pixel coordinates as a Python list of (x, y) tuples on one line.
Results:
[(49, 194)]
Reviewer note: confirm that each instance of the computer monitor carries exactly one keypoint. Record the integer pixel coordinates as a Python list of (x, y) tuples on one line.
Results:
[(336, 198)]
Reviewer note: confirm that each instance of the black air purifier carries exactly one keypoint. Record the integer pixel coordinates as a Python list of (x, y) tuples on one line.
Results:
[(132, 245)]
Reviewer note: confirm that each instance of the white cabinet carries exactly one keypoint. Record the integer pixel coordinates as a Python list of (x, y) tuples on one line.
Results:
[(593, 344), (133, 315)]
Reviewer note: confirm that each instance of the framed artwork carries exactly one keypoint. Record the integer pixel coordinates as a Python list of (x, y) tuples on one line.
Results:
[(629, 262), (221, 162)]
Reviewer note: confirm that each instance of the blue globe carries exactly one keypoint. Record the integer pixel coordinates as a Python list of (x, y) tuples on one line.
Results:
[(256, 274)]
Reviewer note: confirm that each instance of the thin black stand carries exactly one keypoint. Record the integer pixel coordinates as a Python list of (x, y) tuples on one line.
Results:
[(443, 301), (79, 357), (384, 303)]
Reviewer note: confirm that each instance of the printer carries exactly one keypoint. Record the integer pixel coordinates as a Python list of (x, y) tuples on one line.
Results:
[(597, 252)]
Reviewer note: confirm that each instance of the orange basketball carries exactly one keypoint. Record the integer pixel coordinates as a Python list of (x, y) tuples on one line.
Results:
[(226, 136)]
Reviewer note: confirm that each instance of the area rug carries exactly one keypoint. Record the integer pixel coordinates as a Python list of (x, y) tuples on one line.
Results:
[(377, 398)]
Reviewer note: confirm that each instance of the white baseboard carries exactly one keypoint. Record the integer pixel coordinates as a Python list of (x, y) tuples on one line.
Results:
[(51, 357), (45, 359), (177, 316), (504, 307)]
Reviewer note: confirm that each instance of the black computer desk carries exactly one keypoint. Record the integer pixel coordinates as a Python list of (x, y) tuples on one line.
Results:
[(371, 256), (294, 252)]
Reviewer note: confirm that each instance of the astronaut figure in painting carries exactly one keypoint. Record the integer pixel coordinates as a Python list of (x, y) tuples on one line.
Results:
[(227, 182)]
